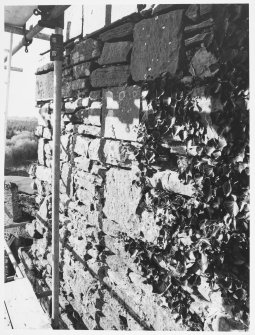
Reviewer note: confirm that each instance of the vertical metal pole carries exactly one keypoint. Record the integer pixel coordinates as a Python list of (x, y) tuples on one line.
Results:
[(108, 15), (55, 187), (8, 83)]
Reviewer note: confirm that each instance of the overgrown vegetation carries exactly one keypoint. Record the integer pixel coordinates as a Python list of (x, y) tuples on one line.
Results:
[(205, 237), (21, 143)]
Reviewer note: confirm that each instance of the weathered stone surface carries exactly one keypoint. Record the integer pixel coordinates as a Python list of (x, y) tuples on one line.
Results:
[(205, 38), (83, 70), (65, 179), (82, 163), (44, 86), (118, 153), (43, 173), (85, 51), (205, 9), (89, 130), (169, 181), (157, 46), (45, 68), (159, 9), (66, 88), (120, 112), (39, 131), (80, 84), (66, 147), (41, 157), (193, 12), (115, 53), (81, 145), (110, 76), (47, 133), (12, 209), (118, 188), (119, 32), (67, 72), (203, 64), (199, 26), (94, 114)]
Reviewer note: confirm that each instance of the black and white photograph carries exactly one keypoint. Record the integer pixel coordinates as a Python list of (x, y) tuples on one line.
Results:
[(126, 166)]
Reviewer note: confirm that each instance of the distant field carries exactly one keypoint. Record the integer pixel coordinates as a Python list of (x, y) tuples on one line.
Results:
[(23, 183)]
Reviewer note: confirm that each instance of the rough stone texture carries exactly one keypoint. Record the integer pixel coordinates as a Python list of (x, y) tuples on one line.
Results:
[(66, 89), (203, 64), (115, 53), (85, 51), (41, 156), (12, 209), (110, 76), (118, 189), (169, 180), (83, 70), (65, 179), (43, 173), (44, 86), (192, 12), (94, 114), (39, 131), (118, 153), (116, 33), (47, 133), (80, 84), (157, 46), (120, 112), (45, 68), (66, 147), (89, 130)]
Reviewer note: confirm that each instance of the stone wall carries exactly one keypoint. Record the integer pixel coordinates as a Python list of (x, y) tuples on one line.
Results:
[(143, 145)]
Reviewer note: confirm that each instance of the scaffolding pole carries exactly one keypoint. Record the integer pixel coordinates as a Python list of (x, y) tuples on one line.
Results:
[(8, 84), (56, 12), (55, 187), (108, 15)]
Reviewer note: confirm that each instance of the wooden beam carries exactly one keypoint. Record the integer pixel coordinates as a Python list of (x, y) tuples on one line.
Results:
[(14, 68), (12, 259), (19, 31), (15, 225)]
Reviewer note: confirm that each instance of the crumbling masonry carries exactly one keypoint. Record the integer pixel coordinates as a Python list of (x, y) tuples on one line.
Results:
[(146, 129)]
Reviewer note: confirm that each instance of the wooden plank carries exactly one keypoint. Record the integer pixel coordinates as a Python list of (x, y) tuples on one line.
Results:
[(23, 307)]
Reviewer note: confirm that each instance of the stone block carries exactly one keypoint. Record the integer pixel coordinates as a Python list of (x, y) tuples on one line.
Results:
[(203, 64), (110, 76), (118, 153), (115, 53), (67, 72), (83, 70), (94, 151), (86, 50), (66, 147), (45, 68), (39, 131), (119, 187), (157, 46), (66, 89), (12, 209), (65, 179), (120, 112), (81, 84), (120, 32), (44, 86), (169, 181), (40, 151), (89, 130), (47, 133), (95, 95), (82, 163), (81, 145), (94, 114), (192, 12), (43, 173)]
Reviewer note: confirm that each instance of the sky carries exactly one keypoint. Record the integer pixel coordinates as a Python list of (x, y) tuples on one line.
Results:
[(22, 84)]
